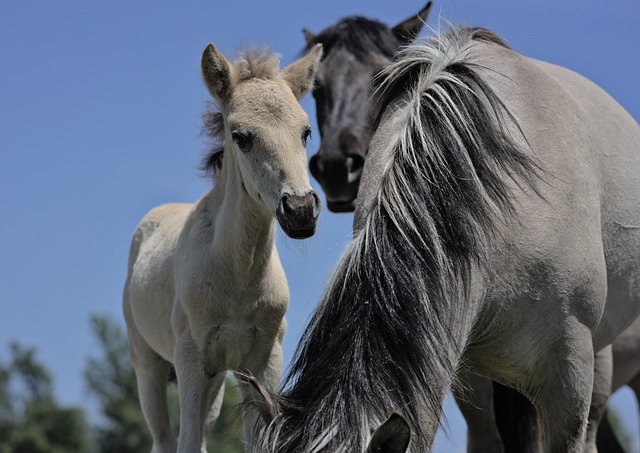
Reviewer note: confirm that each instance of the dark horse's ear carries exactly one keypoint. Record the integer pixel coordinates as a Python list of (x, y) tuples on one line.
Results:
[(261, 398), (392, 436), (409, 29), (308, 36)]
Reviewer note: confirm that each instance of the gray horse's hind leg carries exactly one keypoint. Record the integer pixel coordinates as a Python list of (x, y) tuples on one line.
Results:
[(603, 371), (474, 396)]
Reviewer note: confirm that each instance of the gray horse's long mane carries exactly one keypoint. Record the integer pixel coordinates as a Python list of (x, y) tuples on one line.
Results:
[(250, 64), (389, 321)]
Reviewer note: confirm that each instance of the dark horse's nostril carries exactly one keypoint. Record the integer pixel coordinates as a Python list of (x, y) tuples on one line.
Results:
[(356, 162), (314, 166)]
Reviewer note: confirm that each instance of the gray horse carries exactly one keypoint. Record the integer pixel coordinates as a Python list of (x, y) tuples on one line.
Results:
[(497, 232), (358, 49)]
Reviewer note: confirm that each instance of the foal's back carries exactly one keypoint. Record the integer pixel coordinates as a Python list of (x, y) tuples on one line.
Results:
[(151, 284)]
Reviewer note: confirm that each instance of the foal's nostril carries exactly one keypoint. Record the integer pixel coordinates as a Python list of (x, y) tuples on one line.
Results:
[(317, 205), (300, 206), (284, 203), (316, 198)]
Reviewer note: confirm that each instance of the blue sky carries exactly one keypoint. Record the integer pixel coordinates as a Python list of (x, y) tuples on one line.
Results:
[(100, 107)]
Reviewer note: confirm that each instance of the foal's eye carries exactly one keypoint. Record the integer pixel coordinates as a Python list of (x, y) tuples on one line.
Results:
[(242, 139), (306, 135)]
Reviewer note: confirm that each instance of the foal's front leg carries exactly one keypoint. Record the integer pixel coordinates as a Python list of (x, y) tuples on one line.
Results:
[(197, 392), (270, 378)]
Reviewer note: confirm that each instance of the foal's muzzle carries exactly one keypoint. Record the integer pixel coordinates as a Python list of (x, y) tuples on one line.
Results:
[(297, 215)]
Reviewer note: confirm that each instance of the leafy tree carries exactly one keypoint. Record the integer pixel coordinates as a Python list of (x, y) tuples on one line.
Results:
[(112, 381), (30, 419)]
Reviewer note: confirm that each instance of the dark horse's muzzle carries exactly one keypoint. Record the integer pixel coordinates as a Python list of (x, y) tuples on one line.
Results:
[(297, 215), (339, 177)]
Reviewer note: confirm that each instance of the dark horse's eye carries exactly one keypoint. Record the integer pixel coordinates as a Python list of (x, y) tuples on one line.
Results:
[(306, 135), (242, 139)]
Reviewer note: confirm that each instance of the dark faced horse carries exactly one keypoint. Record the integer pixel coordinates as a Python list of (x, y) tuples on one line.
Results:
[(355, 49), (497, 232)]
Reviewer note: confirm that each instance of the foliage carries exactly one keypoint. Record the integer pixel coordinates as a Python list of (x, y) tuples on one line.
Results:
[(226, 435), (111, 380), (30, 419)]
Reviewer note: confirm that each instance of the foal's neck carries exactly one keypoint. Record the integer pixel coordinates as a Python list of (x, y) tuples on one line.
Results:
[(244, 228)]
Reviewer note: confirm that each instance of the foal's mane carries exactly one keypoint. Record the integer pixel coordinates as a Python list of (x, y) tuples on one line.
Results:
[(250, 64), (358, 35), (390, 319)]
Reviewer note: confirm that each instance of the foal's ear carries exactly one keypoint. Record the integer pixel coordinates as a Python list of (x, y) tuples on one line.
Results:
[(409, 29), (219, 73), (261, 399), (300, 74), (392, 436)]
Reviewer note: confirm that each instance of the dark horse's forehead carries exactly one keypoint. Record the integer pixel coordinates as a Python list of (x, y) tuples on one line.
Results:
[(358, 35)]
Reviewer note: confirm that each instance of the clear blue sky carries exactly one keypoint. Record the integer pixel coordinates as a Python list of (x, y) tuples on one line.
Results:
[(99, 122)]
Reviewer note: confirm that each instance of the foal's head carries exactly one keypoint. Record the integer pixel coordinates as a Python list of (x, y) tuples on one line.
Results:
[(266, 130), (355, 48)]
